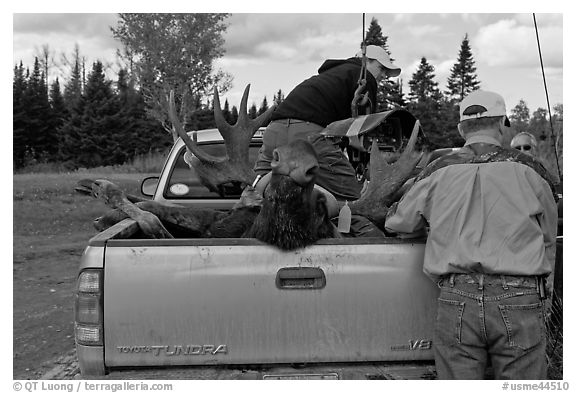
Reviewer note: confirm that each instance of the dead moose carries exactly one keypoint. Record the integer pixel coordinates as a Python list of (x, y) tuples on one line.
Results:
[(284, 210)]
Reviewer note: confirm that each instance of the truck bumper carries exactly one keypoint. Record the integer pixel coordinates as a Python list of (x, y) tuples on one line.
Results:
[(326, 371), (91, 360)]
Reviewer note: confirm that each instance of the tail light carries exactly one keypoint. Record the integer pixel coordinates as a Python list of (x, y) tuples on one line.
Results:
[(88, 308)]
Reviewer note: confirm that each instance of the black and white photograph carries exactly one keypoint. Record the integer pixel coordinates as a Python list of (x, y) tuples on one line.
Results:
[(287, 196)]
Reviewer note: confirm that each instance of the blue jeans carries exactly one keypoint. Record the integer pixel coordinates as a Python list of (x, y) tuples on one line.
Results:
[(490, 318)]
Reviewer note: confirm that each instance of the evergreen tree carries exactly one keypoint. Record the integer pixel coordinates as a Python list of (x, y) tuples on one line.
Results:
[(427, 104), (463, 78), (19, 115), (520, 117), (278, 97), (19, 84), (226, 112), (263, 107), (253, 112), (124, 86), (395, 95), (234, 114), (73, 88), (389, 94), (374, 36), (40, 140), (423, 87), (447, 124), (57, 103), (59, 113), (202, 117), (205, 118), (93, 133), (142, 133)]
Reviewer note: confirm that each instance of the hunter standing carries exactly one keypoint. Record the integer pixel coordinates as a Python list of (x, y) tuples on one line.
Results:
[(492, 223), (319, 101)]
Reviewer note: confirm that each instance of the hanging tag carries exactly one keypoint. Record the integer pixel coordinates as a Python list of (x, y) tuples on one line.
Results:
[(344, 219)]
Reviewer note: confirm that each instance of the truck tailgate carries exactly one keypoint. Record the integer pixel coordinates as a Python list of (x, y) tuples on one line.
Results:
[(238, 301)]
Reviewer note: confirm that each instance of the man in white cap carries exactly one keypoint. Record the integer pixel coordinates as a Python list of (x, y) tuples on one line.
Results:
[(491, 221), (319, 101)]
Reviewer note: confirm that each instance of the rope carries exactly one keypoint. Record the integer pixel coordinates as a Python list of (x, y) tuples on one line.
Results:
[(363, 72), (358, 98), (547, 99)]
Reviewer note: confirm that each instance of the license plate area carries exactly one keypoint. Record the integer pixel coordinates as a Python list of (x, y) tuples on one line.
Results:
[(302, 376)]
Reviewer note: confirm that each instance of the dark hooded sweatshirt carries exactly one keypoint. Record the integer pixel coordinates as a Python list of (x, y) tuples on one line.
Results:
[(326, 97)]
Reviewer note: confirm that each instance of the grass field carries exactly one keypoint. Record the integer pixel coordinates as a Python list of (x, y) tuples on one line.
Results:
[(47, 211), (51, 227)]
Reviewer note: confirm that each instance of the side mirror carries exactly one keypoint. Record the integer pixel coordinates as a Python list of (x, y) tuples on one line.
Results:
[(149, 185)]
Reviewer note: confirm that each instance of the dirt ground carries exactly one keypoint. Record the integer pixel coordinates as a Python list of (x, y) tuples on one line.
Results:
[(52, 225), (44, 317)]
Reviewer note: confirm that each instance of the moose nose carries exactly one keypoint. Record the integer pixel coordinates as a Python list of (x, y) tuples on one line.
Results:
[(289, 161), (304, 175)]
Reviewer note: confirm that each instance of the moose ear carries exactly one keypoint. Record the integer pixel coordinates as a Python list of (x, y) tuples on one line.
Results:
[(332, 207), (321, 205)]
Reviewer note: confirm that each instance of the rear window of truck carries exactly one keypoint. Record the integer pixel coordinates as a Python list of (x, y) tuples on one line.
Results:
[(183, 182)]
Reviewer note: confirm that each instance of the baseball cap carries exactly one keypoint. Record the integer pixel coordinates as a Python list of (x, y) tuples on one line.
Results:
[(482, 103), (523, 138), (379, 54)]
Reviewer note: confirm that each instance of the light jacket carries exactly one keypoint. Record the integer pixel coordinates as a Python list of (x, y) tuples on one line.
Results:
[(487, 213)]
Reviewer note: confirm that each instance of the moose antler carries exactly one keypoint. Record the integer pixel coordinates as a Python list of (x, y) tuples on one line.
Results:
[(215, 171), (385, 180)]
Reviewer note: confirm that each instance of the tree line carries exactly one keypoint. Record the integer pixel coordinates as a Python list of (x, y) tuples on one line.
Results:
[(94, 121), (438, 110)]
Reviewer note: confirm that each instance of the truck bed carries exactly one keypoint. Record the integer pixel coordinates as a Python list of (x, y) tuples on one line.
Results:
[(231, 303)]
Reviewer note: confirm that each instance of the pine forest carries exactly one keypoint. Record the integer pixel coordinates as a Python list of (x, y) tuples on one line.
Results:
[(85, 119)]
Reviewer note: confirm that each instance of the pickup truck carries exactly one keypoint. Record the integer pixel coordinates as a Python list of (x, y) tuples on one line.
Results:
[(353, 308)]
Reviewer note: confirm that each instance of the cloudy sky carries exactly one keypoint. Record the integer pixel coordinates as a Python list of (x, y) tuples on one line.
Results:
[(277, 51)]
